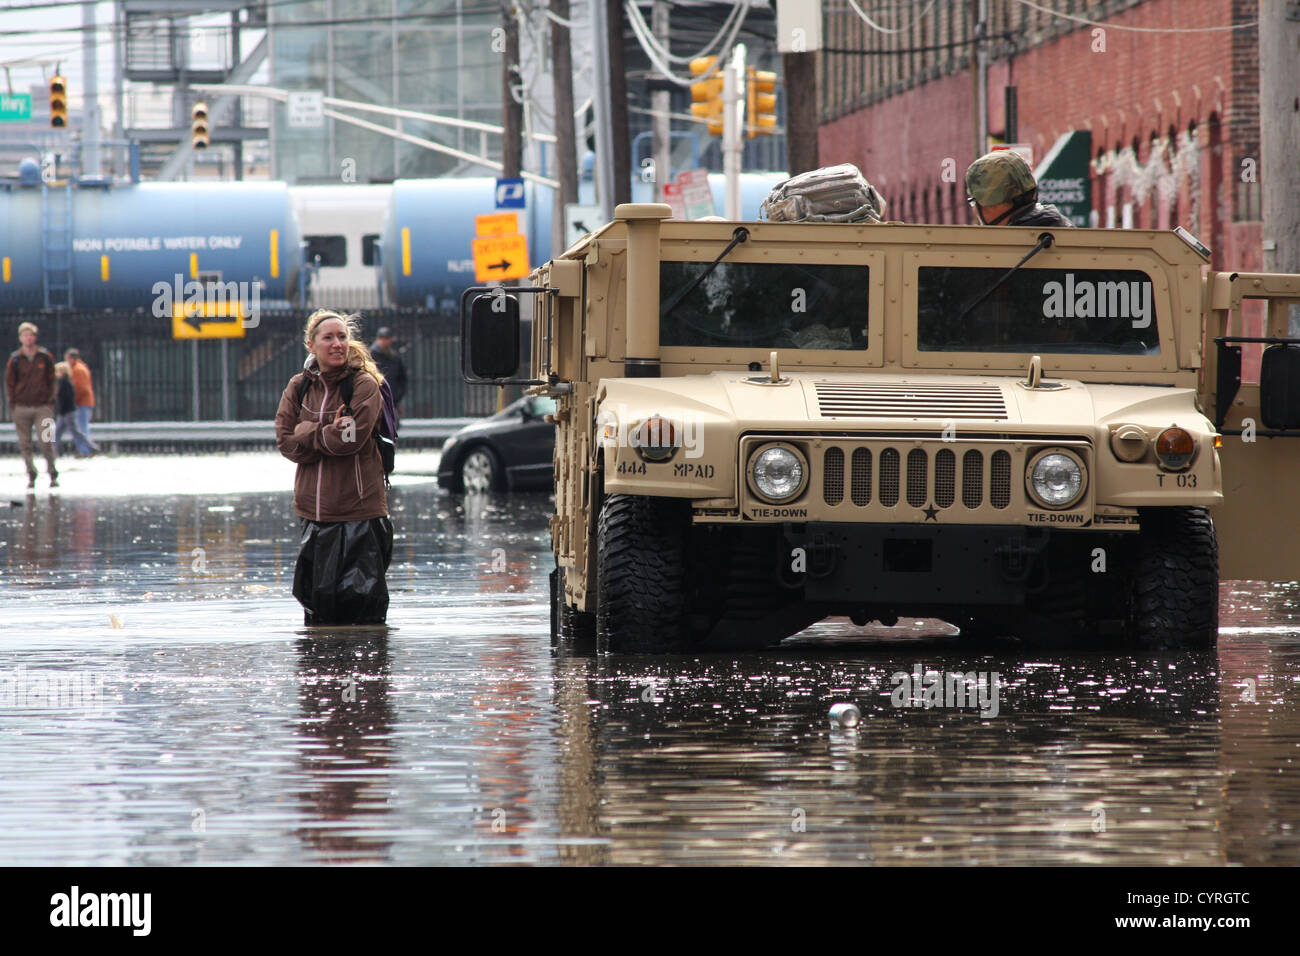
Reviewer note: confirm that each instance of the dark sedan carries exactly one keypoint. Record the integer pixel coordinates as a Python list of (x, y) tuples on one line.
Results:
[(510, 450)]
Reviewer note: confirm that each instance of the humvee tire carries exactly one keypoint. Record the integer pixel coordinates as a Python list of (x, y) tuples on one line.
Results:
[(640, 575), (1175, 596)]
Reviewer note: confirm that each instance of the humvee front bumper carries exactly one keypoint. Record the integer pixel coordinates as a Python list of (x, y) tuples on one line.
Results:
[(897, 564)]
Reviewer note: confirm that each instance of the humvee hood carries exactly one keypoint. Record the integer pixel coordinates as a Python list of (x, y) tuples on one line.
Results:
[(896, 401)]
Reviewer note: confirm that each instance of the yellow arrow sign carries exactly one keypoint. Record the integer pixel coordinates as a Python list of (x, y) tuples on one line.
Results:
[(208, 320), (496, 224), (501, 257)]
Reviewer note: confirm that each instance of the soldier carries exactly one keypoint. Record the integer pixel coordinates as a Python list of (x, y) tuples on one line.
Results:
[(1002, 187)]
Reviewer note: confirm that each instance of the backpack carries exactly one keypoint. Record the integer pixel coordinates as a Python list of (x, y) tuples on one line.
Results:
[(385, 431), (830, 194)]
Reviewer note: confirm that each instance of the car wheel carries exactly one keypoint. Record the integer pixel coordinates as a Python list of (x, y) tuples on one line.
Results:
[(1175, 596), (480, 471), (641, 575)]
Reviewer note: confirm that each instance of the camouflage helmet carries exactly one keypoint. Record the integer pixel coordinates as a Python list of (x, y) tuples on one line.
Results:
[(998, 177)]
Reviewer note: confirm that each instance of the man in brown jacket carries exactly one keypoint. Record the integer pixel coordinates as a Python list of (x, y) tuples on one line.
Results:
[(30, 389)]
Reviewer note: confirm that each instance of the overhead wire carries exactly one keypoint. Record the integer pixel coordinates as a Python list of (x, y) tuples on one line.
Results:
[(891, 30), (641, 32), (1109, 25), (634, 14)]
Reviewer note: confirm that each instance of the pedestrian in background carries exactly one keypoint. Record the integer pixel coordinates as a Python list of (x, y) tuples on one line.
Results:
[(65, 411), (29, 389), (338, 492), (85, 399), (390, 364)]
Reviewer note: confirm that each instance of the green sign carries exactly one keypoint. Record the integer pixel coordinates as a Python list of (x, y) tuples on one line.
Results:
[(1063, 176), (15, 107)]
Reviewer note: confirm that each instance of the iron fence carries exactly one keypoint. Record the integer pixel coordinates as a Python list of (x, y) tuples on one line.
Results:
[(141, 373)]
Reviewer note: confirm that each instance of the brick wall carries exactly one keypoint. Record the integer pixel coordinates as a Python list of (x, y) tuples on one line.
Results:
[(1172, 118)]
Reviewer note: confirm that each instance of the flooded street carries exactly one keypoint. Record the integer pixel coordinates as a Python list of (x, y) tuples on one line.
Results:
[(161, 703)]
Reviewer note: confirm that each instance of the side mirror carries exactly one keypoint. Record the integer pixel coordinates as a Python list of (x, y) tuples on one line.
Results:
[(494, 336), (1279, 387)]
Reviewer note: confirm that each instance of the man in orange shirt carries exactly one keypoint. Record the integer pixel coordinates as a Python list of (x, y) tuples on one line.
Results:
[(85, 393)]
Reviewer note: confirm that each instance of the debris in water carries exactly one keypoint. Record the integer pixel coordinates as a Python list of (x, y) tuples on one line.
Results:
[(845, 715)]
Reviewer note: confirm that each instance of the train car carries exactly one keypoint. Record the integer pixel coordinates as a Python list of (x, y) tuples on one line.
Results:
[(341, 228), (116, 247)]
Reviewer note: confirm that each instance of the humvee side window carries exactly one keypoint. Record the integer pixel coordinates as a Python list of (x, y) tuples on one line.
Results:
[(765, 305), (1082, 311)]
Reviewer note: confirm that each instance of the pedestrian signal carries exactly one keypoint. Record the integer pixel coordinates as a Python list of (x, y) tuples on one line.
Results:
[(707, 93), (58, 102), (199, 125), (760, 102)]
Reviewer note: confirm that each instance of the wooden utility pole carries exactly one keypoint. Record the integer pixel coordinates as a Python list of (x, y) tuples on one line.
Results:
[(1279, 122), (621, 139), (512, 112), (566, 151), (661, 125), (800, 111)]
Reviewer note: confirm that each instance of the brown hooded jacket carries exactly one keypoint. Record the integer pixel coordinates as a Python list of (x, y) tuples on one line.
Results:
[(340, 476)]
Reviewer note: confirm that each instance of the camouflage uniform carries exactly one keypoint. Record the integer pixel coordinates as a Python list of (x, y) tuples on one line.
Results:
[(1004, 176)]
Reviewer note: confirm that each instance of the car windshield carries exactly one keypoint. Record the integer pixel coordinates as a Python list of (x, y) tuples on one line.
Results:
[(765, 305), (1090, 311)]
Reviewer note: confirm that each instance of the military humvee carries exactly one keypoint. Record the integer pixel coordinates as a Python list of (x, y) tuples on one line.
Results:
[(1023, 432)]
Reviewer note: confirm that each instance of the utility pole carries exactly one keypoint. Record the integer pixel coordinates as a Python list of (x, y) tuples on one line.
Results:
[(1279, 122), (512, 112), (566, 154), (621, 140), (798, 38), (979, 64), (600, 101), (90, 83), (733, 127), (661, 123)]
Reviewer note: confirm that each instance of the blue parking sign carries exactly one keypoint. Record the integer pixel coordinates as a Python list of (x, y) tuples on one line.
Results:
[(510, 193)]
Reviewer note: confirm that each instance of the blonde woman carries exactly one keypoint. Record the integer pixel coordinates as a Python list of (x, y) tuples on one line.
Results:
[(339, 493)]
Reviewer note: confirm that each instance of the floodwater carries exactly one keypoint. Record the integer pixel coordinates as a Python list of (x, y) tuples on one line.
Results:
[(161, 703)]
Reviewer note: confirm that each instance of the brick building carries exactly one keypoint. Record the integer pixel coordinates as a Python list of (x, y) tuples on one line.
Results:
[(1174, 117)]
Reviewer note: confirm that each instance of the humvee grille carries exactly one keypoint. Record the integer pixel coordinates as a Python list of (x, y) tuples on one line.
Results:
[(833, 477), (889, 477), (867, 400), (972, 479), (909, 477), (918, 494), (1001, 480), (945, 478), (861, 490)]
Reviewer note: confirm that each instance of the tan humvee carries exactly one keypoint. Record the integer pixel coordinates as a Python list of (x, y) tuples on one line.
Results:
[(763, 424)]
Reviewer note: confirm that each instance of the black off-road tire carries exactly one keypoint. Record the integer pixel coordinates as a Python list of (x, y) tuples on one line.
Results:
[(1175, 595), (641, 575)]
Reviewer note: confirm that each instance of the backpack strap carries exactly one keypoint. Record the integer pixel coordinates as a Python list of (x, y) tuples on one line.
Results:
[(345, 392), (303, 387)]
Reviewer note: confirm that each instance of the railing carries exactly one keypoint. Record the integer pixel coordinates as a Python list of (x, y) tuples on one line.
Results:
[(142, 374)]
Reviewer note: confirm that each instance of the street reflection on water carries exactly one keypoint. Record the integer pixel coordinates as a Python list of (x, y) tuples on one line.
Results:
[(166, 706)]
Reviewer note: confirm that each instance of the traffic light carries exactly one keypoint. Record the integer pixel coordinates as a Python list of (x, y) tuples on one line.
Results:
[(199, 125), (707, 93), (58, 102), (760, 102)]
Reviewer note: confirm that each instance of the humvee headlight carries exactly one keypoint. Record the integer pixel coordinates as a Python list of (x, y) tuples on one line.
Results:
[(777, 473), (1174, 448), (1056, 479)]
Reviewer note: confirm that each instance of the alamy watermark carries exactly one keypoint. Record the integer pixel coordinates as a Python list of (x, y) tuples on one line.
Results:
[(209, 300), (81, 690), (928, 689)]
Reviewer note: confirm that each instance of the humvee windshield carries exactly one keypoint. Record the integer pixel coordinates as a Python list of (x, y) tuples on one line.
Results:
[(1088, 311), (764, 305)]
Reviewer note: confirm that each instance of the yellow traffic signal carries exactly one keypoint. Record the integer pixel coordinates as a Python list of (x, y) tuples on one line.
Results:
[(760, 102), (58, 102), (707, 93), (199, 125)]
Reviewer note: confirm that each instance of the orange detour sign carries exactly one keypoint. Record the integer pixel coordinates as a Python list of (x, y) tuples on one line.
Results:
[(496, 224), (500, 257)]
